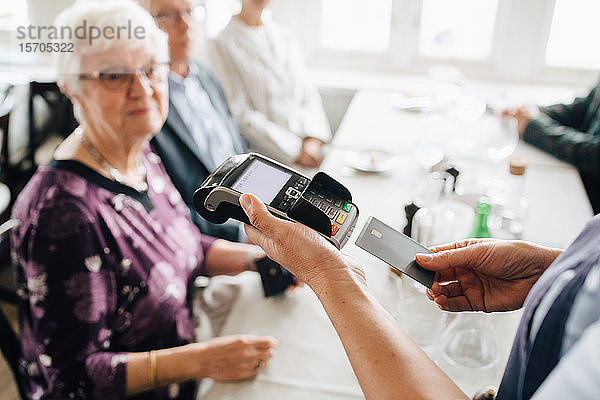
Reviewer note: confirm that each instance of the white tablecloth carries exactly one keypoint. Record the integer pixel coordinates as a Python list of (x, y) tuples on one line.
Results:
[(310, 362)]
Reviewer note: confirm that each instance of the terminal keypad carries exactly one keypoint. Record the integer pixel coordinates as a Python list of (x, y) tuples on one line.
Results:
[(335, 208)]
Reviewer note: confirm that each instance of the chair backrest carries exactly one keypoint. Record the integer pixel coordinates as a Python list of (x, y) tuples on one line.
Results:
[(61, 120), (6, 107), (10, 344)]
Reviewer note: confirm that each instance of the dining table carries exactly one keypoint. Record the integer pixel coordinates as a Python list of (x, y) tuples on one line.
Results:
[(310, 362)]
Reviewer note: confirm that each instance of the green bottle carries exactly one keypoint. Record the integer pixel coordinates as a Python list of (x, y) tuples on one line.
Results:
[(480, 227)]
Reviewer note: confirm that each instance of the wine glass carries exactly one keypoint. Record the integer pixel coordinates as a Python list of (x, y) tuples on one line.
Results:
[(467, 109), (500, 137)]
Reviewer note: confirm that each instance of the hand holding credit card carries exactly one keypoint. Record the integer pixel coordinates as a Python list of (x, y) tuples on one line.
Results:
[(395, 248)]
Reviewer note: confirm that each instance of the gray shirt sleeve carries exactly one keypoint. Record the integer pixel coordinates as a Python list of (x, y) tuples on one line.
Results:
[(577, 375)]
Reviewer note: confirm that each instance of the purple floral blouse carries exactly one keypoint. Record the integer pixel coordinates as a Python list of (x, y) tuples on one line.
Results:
[(101, 270)]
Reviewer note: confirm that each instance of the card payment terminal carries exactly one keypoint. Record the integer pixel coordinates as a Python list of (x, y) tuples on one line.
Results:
[(321, 203)]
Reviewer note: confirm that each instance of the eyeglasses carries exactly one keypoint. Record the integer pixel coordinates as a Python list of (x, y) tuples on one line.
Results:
[(119, 78), (172, 17)]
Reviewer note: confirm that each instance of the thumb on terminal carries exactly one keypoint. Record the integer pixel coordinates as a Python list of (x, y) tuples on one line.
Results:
[(257, 213)]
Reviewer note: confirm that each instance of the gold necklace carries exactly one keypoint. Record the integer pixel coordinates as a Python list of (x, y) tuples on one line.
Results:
[(113, 172)]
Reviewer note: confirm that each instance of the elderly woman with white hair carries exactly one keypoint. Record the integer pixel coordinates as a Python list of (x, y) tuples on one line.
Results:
[(106, 251)]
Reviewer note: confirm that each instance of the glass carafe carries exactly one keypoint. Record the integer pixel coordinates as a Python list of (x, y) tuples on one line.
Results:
[(441, 219), (468, 351)]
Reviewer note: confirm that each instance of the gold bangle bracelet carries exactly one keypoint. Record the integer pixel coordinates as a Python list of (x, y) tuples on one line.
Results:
[(153, 370)]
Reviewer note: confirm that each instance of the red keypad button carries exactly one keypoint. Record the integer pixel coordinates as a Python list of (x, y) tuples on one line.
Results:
[(334, 229)]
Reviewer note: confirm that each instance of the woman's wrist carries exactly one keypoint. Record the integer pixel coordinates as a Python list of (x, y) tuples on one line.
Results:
[(550, 254), (539, 257), (179, 363), (228, 258), (191, 360), (348, 275), (151, 369), (342, 291)]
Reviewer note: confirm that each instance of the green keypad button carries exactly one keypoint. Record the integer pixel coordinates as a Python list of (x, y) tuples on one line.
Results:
[(347, 207)]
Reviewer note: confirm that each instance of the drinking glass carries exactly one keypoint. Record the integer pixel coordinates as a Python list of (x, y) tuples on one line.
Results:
[(422, 320), (393, 293), (468, 352)]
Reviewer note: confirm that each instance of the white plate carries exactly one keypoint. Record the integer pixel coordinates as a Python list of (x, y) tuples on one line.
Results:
[(413, 104), (374, 161)]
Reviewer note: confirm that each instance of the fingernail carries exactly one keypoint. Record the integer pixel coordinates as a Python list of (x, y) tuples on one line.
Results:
[(422, 257), (245, 202)]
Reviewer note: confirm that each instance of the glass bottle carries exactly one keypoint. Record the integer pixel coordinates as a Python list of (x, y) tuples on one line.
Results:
[(480, 226), (508, 215), (431, 220)]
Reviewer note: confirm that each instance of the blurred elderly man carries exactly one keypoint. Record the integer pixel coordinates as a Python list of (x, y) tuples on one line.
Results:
[(200, 132)]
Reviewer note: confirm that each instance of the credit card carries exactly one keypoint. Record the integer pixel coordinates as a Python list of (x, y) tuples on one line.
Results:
[(394, 248)]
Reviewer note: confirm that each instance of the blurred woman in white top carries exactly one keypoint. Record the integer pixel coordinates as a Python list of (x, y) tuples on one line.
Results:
[(266, 83)]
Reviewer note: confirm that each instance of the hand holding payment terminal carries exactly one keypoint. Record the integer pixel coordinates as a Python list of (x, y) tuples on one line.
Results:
[(320, 203)]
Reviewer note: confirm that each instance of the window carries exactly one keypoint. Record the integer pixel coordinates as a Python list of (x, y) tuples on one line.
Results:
[(513, 40), (361, 25), (13, 13), (219, 13), (215, 14), (457, 29), (573, 40)]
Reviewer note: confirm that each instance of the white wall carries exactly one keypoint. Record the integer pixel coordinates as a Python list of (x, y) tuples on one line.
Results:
[(44, 12), (339, 80)]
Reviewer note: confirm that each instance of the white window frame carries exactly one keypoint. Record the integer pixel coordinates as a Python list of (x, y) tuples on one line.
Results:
[(10, 26), (518, 50)]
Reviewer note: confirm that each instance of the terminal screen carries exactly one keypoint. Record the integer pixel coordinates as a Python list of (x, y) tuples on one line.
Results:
[(262, 180)]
